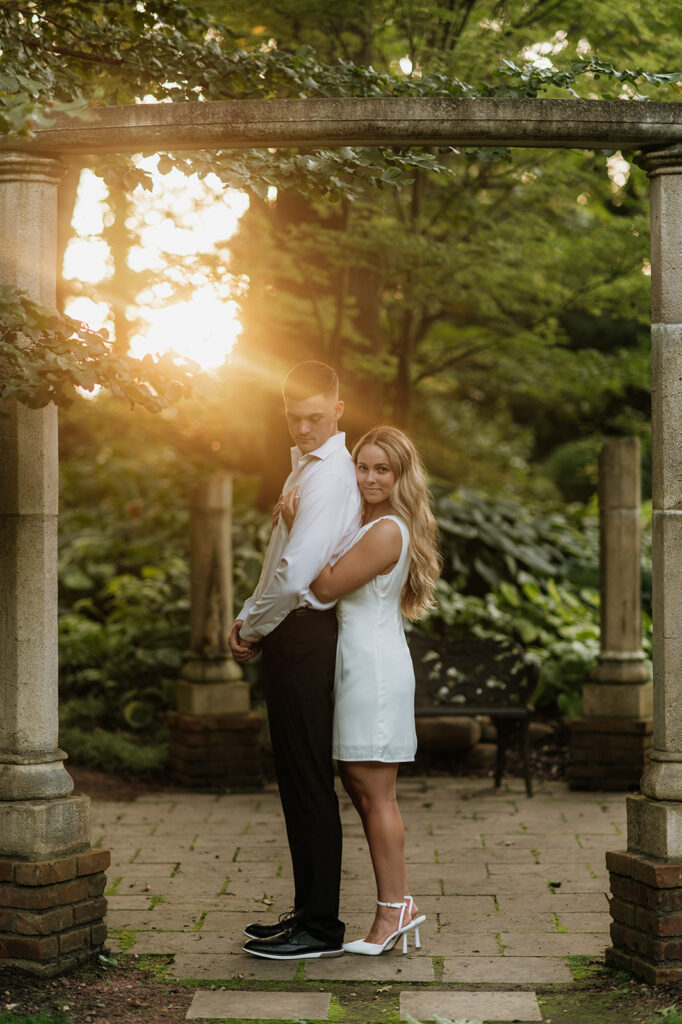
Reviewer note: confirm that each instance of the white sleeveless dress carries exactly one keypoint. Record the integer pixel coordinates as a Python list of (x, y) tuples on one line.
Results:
[(374, 680)]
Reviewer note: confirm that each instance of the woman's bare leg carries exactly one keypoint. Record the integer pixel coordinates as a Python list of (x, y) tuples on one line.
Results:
[(371, 787)]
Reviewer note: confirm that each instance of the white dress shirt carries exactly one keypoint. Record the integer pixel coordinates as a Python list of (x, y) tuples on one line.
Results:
[(327, 519)]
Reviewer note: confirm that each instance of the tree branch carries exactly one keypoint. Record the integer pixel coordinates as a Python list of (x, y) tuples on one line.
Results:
[(459, 357), (65, 51)]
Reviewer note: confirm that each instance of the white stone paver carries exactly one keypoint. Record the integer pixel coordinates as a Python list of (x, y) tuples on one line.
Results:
[(229, 967), (573, 943), (506, 970), (371, 968), (259, 1005), (483, 1006)]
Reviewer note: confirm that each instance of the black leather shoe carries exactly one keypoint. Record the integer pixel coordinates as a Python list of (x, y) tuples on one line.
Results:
[(294, 944), (267, 931)]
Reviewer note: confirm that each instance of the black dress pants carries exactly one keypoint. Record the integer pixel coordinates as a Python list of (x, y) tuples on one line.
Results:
[(298, 663)]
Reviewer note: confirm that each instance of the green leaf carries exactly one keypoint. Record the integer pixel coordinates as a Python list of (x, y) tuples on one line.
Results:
[(527, 630), (138, 714), (76, 579)]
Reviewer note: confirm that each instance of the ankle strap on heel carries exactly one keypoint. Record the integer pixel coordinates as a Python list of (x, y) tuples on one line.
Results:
[(402, 907)]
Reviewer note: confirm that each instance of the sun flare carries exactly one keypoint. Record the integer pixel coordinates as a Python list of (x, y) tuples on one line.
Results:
[(204, 328), (181, 218)]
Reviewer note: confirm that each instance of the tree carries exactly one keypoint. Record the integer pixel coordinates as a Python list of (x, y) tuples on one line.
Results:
[(469, 289), (390, 281)]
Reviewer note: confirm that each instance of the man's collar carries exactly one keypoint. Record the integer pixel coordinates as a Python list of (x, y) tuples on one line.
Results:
[(332, 444)]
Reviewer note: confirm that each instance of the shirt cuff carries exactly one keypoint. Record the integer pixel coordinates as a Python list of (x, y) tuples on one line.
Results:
[(247, 635)]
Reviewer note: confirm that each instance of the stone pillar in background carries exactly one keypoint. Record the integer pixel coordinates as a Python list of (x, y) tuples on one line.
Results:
[(212, 680), (646, 880), (214, 736), (609, 743), (44, 832)]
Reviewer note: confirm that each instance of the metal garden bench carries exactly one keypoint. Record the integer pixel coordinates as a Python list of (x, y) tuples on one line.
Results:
[(477, 677)]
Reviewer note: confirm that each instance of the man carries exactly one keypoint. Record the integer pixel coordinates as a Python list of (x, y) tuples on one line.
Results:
[(297, 635)]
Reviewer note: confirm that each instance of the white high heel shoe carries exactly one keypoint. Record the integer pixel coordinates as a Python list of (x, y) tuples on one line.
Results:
[(375, 948), (416, 922)]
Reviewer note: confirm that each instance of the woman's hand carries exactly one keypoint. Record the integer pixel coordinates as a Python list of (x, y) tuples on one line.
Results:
[(288, 506), (276, 512)]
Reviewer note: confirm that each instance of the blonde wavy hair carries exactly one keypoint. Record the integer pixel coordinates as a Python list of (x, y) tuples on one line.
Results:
[(411, 500)]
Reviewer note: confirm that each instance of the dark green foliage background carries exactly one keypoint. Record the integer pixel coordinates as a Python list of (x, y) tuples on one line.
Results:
[(509, 569), (124, 580)]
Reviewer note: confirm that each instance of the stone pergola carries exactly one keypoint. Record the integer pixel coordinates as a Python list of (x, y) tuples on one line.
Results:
[(50, 880)]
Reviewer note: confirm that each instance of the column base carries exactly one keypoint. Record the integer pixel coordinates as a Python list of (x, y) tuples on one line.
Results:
[(646, 908), (216, 752), (618, 700), (41, 829), (655, 827), (608, 753), (216, 698), (52, 912)]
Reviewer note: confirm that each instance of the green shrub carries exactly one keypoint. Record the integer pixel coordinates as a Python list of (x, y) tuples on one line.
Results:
[(124, 585), (487, 541), (529, 576), (114, 751)]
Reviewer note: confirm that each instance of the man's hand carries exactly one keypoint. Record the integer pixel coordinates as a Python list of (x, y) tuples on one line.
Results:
[(242, 650)]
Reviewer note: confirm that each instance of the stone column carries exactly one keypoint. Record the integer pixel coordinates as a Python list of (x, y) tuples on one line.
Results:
[(212, 680), (214, 734), (621, 661), (44, 832), (646, 880), (609, 743)]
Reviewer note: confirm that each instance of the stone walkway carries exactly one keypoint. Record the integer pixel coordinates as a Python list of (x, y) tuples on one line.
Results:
[(512, 888)]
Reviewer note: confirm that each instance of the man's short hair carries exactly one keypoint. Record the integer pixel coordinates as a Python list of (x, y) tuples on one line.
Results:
[(311, 378)]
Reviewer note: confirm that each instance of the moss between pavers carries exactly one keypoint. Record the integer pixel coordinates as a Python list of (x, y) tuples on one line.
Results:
[(126, 939), (585, 967)]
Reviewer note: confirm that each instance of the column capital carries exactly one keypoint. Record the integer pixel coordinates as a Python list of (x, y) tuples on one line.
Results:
[(18, 166), (661, 160)]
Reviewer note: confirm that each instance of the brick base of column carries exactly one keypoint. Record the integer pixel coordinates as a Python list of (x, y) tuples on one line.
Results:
[(52, 912), (216, 751), (646, 908), (608, 753)]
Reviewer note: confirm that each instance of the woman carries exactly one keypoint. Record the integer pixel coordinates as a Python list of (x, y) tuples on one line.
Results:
[(391, 567)]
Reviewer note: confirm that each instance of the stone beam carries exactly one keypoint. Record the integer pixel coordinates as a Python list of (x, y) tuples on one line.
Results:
[(361, 121)]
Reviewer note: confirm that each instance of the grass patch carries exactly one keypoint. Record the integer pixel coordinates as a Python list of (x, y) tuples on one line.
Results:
[(43, 1017), (585, 967), (582, 1006), (670, 1015), (158, 965), (126, 938), (113, 888)]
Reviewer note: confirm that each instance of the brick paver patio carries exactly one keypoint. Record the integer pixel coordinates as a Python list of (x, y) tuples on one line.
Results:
[(511, 886)]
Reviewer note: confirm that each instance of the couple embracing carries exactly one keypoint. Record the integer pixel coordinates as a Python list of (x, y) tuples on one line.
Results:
[(353, 548)]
